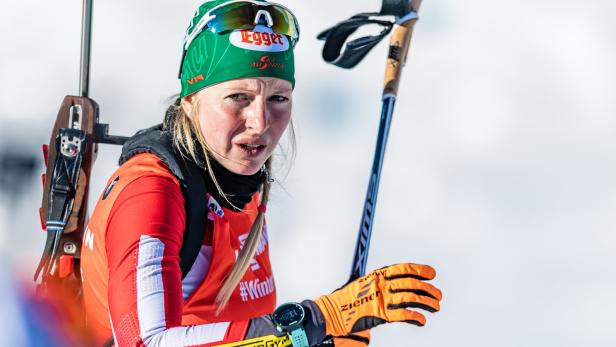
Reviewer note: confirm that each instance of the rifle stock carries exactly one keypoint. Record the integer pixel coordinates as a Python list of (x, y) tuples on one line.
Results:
[(65, 195), (89, 120)]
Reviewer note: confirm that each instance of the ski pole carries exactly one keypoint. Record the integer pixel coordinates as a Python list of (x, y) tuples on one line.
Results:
[(398, 51), (405, 12)]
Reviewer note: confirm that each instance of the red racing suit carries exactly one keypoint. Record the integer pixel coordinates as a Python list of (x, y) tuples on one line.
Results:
[(132, 283)]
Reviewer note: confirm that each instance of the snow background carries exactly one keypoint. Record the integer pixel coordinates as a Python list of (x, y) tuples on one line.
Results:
[(499, 169)]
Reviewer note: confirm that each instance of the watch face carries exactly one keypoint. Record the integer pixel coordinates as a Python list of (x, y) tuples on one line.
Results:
[(288, 315)]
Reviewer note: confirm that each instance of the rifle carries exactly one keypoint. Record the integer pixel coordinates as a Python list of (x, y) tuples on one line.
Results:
[(405, 17), (69, 156)]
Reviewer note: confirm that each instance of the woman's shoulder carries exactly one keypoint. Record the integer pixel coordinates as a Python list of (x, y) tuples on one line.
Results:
[(145, 165), (139, 171), (142, 190)]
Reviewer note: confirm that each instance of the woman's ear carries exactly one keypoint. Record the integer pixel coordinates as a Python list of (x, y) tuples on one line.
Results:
[(187, 104)]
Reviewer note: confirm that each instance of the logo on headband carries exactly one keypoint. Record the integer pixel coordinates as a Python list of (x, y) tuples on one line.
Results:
[(260, 38), (195, 79), (267, 62)]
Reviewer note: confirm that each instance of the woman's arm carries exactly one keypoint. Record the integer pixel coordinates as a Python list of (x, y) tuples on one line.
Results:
[(144, 237)]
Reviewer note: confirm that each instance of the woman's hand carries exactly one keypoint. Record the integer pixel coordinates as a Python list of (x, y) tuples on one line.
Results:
[(382, 296)]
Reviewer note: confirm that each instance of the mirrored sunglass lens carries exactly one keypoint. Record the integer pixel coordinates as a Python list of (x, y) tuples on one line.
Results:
[(284, 22), (242, 16), (231, 17)]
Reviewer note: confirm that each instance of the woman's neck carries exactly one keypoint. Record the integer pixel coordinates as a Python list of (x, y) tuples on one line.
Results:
[(239, 189)]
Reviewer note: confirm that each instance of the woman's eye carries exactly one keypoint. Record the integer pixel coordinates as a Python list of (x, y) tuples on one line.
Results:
[(278, 98), (238, 97)]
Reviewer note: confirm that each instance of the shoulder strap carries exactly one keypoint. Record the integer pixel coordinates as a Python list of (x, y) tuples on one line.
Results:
[(158, 142), (194, 190)]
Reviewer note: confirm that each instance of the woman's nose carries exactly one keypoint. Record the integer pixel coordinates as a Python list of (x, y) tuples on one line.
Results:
[(257, 118)]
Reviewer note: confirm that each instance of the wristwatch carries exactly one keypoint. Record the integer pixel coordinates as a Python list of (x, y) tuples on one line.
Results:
[(289, 318)]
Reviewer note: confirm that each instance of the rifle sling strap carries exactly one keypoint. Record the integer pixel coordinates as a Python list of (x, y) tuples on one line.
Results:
[(158, 142), (70, 145)]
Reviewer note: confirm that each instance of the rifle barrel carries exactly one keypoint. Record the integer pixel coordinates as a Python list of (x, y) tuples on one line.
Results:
[(86, 36)]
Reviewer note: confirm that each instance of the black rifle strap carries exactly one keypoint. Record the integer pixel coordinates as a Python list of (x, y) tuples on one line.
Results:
[(158, 142), (194, 190), (70, 144)]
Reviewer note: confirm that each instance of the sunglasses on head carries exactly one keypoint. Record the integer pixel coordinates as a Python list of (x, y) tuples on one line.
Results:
[(244, 15)]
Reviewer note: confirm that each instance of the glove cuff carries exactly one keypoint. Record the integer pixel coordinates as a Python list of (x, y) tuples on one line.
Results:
[(331, 315), (314, 325)]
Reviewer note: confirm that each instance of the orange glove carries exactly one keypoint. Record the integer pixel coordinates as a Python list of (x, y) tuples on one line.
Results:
[(359, 339), (381, 296)]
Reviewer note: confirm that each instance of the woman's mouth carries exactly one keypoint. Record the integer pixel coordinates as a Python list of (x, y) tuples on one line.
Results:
[(252, 150)]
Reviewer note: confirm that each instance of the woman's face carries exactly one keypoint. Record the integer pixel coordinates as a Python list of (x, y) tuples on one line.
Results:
[(242, 120)]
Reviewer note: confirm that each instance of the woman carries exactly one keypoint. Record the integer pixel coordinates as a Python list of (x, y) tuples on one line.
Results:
[(140, 282)]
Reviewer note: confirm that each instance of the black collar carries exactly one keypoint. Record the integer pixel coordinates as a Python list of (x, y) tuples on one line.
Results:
[(239, 189)]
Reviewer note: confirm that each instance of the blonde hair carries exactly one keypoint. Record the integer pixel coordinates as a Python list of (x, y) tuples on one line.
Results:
[(189, 140)]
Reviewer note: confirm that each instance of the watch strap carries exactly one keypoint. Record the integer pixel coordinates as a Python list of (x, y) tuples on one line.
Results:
[(299, 338)]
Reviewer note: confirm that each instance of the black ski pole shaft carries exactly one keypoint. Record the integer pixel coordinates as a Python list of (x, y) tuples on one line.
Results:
[(398, 49), (86, 36)]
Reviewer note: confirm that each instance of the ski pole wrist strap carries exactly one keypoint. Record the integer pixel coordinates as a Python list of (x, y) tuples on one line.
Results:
[(394, 7), (355, 50)]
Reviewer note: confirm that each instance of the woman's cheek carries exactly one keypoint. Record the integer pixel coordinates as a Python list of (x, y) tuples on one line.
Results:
[(211, 131), (281, 114), (285, 118)]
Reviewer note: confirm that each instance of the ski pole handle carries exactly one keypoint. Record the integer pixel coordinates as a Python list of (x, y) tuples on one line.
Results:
[(399, 43)]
